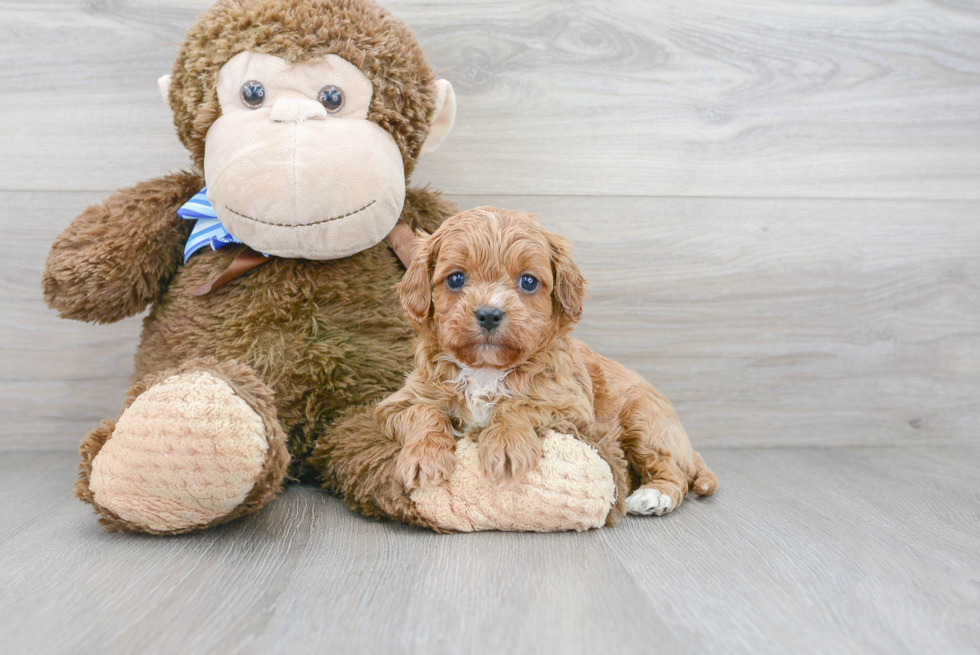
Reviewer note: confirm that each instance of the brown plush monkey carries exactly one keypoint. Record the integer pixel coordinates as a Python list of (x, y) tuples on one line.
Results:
[(265, 357)]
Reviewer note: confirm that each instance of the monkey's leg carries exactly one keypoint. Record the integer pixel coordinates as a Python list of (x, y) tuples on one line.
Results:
[(194, 447), (575, 487), (356, 460)]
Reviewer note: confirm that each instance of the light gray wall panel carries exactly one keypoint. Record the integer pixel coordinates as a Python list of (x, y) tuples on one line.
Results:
[(632, 97), (767, 322)]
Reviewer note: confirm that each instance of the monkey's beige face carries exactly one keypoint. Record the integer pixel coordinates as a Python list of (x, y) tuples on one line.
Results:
[(293, 166), (492, 285)]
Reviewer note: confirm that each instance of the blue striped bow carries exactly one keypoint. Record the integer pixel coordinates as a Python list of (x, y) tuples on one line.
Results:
[(208, 231)]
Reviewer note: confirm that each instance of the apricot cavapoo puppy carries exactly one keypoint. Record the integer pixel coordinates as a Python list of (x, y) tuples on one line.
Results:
[(493, 296)]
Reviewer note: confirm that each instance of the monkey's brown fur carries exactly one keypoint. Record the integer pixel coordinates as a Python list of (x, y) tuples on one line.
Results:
[(317, 341), (361, 32)]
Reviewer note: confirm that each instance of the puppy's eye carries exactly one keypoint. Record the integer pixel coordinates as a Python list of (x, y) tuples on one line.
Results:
[(253, 94), (332, 98), (456, 281), (529, 283)]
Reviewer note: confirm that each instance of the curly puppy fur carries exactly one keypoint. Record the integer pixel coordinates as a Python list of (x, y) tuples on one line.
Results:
[(505, 383)]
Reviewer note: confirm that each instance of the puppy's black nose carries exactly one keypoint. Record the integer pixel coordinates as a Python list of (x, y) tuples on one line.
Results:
[(489, 318)]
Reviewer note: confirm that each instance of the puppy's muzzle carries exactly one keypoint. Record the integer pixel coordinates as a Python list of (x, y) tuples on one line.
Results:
[(489, 318)]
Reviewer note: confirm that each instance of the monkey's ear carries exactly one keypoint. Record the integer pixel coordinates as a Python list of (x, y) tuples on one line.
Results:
[(163, 84), (415, 289), (569, 284), (444, 117)]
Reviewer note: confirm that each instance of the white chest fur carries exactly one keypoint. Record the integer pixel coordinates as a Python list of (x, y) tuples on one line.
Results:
[(482, 388)]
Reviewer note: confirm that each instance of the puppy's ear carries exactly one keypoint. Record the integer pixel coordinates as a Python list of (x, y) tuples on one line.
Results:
[(415, 289), (569, 283)]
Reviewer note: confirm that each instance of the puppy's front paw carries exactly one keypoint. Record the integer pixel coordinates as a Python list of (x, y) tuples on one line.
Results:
[(426, 463), (508, 455)]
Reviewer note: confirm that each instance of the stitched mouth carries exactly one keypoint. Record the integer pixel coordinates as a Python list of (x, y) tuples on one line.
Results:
[(325, 220)]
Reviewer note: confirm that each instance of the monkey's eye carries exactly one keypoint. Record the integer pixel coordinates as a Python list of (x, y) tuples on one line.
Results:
[(332, 98), (529, 283), (456, 281), (253, 94)]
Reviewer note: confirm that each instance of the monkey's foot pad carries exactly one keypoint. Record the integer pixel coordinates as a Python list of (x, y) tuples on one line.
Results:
[(571, 489), (185, 453)]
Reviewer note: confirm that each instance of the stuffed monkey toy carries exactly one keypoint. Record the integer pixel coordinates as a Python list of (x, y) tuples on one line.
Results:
[(269, 270)]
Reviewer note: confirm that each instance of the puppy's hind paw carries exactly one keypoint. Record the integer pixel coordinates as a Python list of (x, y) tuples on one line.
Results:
[(647, 501)]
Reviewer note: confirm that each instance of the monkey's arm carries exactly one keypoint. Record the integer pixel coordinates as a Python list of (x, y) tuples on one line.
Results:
[(118, 256)]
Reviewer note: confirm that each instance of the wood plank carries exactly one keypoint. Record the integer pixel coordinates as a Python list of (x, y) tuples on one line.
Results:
[(306, 572), (836, 550), (58, 378), (803, 550), (767, 322), (716, 98), (788, 322)]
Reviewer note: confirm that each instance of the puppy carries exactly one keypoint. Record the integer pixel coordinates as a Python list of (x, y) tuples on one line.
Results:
[(493, 296)]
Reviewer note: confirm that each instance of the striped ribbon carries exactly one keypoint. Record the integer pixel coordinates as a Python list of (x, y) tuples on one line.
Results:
[(208, 231)]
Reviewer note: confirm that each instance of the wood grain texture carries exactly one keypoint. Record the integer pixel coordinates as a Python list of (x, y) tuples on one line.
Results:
[(625, 97), (804, 550), (57, 377), (767, 322)]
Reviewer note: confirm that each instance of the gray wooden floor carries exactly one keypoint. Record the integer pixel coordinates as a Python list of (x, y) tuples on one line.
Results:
[(776, 205), (817, 550)]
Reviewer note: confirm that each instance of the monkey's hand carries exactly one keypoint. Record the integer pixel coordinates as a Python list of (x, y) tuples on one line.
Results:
[(118, 256)]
